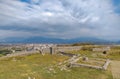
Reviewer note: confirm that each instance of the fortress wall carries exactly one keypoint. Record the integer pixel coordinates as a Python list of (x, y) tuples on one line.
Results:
[(51, 50), (63, 49)]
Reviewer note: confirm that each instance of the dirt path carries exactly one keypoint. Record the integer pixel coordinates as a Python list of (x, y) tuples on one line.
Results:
[(115, 67)]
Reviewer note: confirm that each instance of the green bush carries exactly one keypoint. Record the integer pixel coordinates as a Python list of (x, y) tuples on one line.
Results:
[(5, 52)]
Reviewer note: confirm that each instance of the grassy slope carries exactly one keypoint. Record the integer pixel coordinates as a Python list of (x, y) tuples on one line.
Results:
[(38, 66), (113, 54)]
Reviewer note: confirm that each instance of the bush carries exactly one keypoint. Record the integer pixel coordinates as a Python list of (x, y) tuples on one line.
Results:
[(79, 44), (5, 52)]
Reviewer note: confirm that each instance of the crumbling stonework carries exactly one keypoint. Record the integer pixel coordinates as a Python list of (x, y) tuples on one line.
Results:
[(84, 65), (64, 49), (101, 49), (106, 64), (104, 67)]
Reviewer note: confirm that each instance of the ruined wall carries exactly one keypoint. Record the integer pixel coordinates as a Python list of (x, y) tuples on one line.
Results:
[(63, 49), (53, 50), (104, 67), (101, 49)]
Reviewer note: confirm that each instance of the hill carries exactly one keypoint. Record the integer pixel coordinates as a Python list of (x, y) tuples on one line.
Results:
[(55, 40)]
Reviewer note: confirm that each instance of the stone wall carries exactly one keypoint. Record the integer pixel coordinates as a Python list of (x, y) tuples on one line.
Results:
[(19, 54), (84, 65), (53, 50), (101, 49), (67, 54), (64, 49), (104, 67)]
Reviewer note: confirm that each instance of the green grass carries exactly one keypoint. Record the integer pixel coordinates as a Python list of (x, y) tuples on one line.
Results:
[(113, 54), (92, 62), (37, 66)]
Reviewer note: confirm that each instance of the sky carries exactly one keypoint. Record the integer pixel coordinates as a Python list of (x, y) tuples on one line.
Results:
[(60, 18)]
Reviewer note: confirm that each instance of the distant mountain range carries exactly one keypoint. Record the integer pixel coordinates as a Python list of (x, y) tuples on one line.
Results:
[(55, 40)]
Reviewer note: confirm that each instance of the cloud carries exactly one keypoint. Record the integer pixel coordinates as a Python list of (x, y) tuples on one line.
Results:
[(11, 33), (59, 18)]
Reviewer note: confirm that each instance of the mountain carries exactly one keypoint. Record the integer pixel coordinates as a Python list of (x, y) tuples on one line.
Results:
[(44, 40), (55, 40), (118, 42), (32, 40), (12, 40)]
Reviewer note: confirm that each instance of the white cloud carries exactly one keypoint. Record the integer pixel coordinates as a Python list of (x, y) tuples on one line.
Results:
[(11, 33), (95, 19), (48, 14), (60, 18)]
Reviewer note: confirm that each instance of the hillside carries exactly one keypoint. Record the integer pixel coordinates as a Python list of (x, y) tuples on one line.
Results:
[(45, 67)]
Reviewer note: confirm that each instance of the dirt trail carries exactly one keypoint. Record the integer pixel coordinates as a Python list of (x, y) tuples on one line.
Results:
[(115, 68)]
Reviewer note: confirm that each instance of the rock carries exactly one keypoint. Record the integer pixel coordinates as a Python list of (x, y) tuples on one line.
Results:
[(51, 70), (34, 78), (63, 68), (29, 77)]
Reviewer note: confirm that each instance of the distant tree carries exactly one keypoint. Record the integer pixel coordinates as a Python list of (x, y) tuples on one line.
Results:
[(86, 48), (79, 44)]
